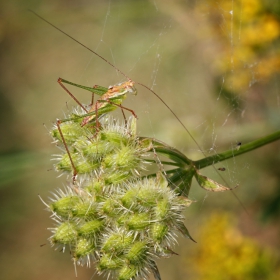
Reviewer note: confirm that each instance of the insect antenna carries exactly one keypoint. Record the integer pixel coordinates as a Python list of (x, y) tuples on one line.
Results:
[(80, 43), (121, 72)]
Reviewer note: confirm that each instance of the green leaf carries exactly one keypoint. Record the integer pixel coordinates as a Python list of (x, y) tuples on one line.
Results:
[(182, 228), (210, 185), (182, 180)]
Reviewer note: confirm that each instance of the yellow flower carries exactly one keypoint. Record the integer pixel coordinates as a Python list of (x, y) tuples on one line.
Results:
[(224, 253)]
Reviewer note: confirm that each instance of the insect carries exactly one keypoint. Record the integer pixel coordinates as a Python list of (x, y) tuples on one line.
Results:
[(110, 99), (222, 169), (238, 145)]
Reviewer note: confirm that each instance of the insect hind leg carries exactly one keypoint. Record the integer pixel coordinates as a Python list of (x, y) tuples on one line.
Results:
[(75, 172), (71, 95)]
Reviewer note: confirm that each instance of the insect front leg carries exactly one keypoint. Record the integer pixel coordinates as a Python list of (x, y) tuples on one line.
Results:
[(122, 107), (92, 100)]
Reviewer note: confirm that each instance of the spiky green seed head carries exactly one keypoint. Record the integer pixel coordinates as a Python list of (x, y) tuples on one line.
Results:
[(136, 222), (114, 138), (66, 233), (114, 178), (110, 207), (137, 253), (113, 215), (127, 226), (82, 165), (108, 263), (159, 232), (117, 242), (91, 228), (71, 131), (123, 158), (83, 248), (162, 208), (64, 206), (114, 147), (128, 272)]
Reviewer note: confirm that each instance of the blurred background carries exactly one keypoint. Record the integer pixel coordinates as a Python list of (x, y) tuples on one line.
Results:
[(215, 63)]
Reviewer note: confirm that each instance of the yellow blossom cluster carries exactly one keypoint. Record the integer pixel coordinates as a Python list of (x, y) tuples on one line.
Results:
[(248, 37), (225, 253)]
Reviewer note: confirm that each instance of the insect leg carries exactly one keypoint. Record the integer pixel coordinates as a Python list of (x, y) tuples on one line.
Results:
[(71, 95), (58, 122), (122, 107)]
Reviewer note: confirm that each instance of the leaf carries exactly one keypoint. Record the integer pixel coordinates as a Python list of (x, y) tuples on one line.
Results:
[(161, 180), (185, 186), (155, 270), (182, 228), (187, 202), (210, 185), (181, 181)]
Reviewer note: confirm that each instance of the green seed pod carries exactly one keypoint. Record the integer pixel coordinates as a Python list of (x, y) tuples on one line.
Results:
[(115, 138), (137, 221), (107, 262), (64, 206), (95, 189), (148, 195), (117, 243), (124, 158), (71, 132), (93, 149), (83, 248), (137, 253), (129, 199), (91, 228), (162, 209), (142, 193), (128, 272), (114, 178), (82, 166), (110, 207), (159, 232), (85, 209), (66, 233)]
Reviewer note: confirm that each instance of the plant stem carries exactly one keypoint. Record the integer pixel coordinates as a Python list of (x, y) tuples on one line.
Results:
[(202, 163)]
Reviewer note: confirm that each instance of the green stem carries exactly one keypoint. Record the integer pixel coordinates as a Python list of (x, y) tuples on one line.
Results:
[(199, 164)]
